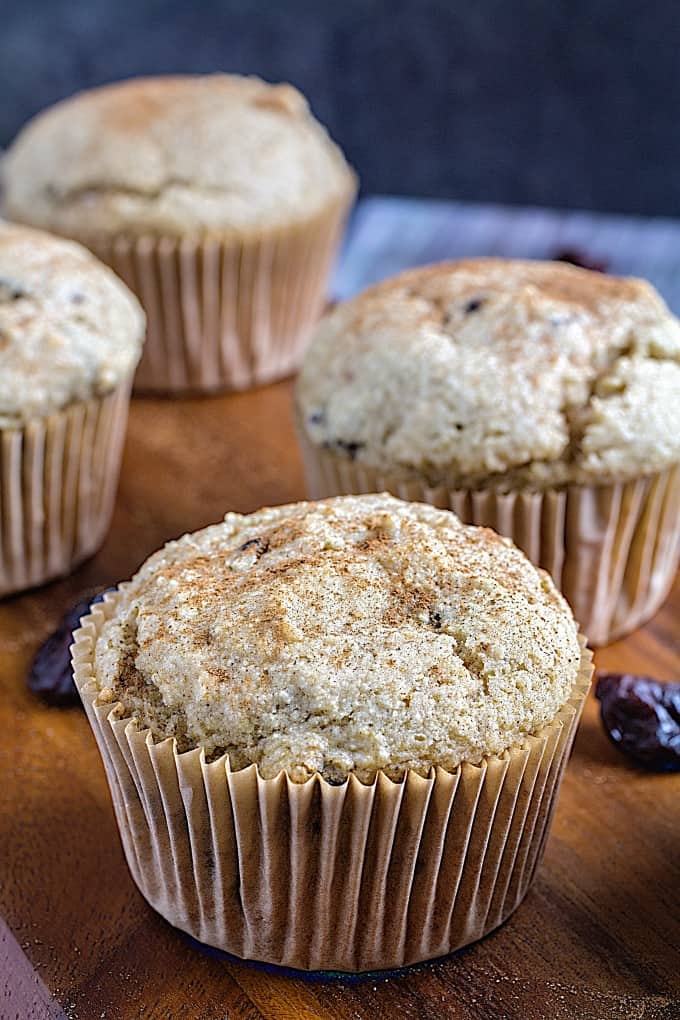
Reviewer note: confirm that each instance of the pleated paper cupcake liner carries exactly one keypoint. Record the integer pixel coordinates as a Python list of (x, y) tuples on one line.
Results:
[(612, 549), (227, 314), (319, 877), (58, 481)]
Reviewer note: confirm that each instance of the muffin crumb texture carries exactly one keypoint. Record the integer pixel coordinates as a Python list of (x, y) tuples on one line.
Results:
[(352, 635), (174, 156), (498, 373), (69, 328)]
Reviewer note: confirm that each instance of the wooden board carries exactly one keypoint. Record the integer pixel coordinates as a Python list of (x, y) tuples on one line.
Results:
[(596, 938)]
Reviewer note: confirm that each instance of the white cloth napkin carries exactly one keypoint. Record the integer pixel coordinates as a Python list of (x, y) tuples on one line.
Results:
[(390, 234)]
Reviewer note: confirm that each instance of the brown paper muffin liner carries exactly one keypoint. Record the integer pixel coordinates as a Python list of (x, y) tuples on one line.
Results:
[(320, 877), (227, 314), (611, 549), (58, 480)]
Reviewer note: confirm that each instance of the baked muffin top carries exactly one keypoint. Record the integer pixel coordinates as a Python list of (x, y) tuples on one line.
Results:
[(172, 156), (69, 328), (350, 635), (492, 372)]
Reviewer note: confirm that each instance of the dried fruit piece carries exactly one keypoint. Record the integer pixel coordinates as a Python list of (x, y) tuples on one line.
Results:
[(259, 546), (347, 446), (575, 257), (50, 675), (642, 718), (10, 290)]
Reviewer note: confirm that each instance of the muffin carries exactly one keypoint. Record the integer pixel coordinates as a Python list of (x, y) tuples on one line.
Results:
[(536, 398), (219, 200), (70, 338), (334, 732)]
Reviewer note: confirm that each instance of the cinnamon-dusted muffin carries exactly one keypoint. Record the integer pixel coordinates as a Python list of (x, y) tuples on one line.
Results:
[(219, 198), (493, 385), (70, 338), (354, 635), (498, 373), (322, 713), (206, 154)]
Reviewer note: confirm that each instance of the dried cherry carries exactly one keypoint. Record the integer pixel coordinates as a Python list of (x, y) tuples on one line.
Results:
[(50, 675), (642, 718), (576, 257)]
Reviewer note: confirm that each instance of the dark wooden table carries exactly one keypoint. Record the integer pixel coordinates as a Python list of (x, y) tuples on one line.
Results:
[(596, 938)]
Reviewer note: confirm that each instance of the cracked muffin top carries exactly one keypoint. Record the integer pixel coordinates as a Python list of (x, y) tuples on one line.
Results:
[(171, 156), (69, 328), (351, 635), (492, 372)]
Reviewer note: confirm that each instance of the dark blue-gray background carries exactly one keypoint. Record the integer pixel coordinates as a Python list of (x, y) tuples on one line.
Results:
[(524, 101)]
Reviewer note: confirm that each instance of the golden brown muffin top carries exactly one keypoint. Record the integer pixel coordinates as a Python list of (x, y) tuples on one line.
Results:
[(69, 328), (350, 635), (172, 156), (498, 372)]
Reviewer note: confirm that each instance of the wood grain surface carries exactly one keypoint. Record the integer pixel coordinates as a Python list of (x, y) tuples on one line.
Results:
[(596, 938)]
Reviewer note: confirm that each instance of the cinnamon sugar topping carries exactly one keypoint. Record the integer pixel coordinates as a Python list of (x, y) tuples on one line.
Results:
[(355, 634)]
